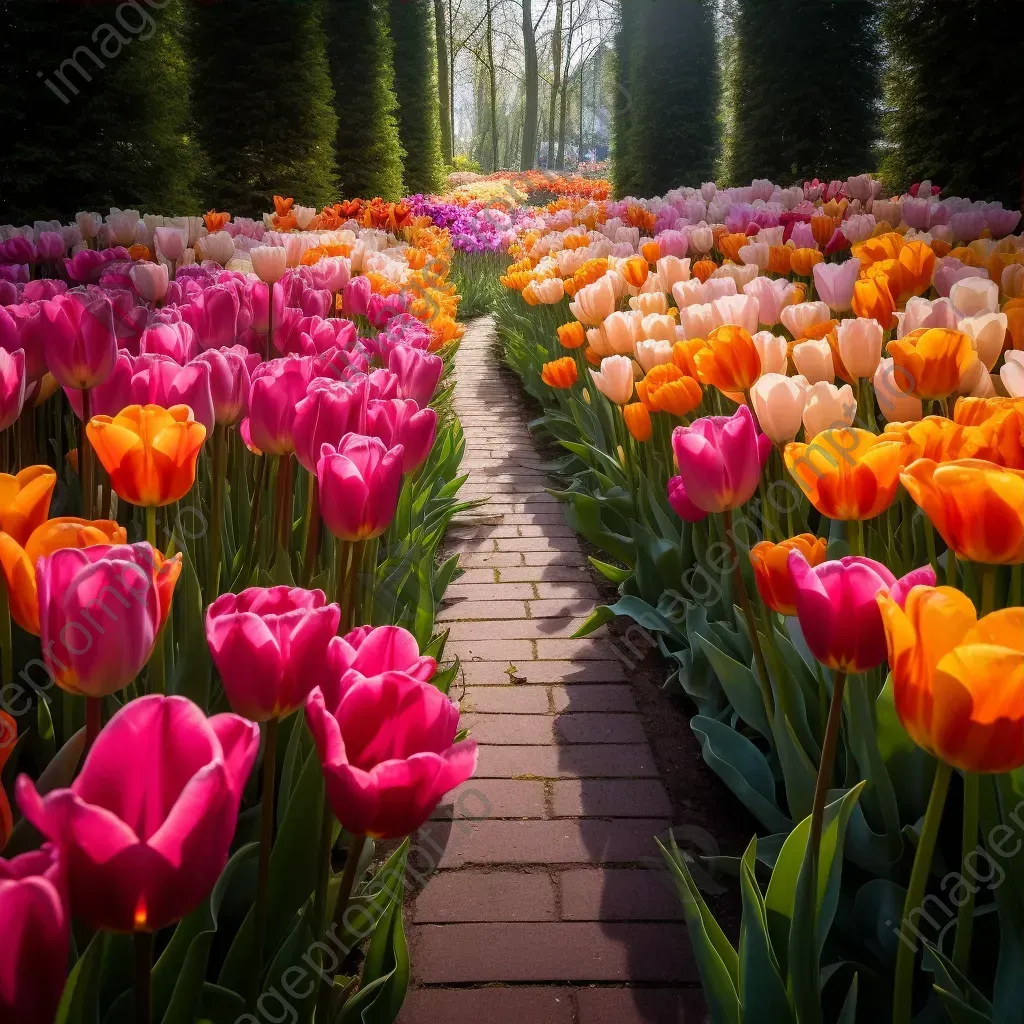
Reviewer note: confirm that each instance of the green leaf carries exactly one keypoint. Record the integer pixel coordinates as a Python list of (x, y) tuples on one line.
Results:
[(80, 1002), (610, 572), (799, 775), (848, 1014), (193, 668), (740, 686), (595, 620)]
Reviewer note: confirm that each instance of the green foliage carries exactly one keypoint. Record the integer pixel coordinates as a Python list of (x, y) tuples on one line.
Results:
[(368, 149), (264, 103), (412, 29), (666, 129), (95, 110), (804, 89), (953, 111), (461, 162)]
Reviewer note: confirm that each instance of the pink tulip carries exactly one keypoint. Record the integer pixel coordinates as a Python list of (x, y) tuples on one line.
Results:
[(381, 310), (10, 293), (418, 373), (720, 461), (835, 281), (400, 421), (170, 242), (146, 828), (359, 485), (276, 390), (343, 364), (387, 753), (330, 410), (150, 280), (968, 226), (39, 291), (741, 310), (355, 295), (332, 273), (949, 270), (12, 386), (772, 296), (836, 606), (110, 397), (384, 384), (33, 964), (50, 246), (229, 381), (270, 647), (100, 609), (214, 316), (167, 336), (81, 344), (165, 383), (374, 650)]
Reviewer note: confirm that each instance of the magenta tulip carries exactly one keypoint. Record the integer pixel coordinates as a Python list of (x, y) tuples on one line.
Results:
[(39, 291), (50, 246), (355, 296), (110, 397), (12, 386), (165, 336), (418, 373), (374, 650), (277, 388), (161, 381), (33, 963), (270, 647), (229, 381), (360, 481), (146, 827), (400, 421), (386, 749), (330, 410), (100, 609), (720, 461), (836, 606), (383, 384), (81, 344)]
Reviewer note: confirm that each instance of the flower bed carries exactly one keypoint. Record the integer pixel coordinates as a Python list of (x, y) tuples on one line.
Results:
[(229, 459), (680, 346)]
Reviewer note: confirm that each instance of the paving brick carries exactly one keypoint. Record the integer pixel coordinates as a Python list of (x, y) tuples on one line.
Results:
[(558, 609), (617, 894), (528, 671), (567, 591), (590, 761), (483, 799), (604, 1005), (504, 700), (588, 727), (603, 697), (539, 573), (534, 730), (585, 951), (459, 591), (487, 1005), (610, 798), (573, 650), (492, 650), (458, 896), (514, 629), (478, 575), (488, 559), (564, 544), (552, 558), (467, 610)]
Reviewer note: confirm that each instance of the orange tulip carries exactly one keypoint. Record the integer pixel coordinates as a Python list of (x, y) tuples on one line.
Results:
[(973, 412), (25, 500), (803, 261), (823, 228), (873, 299), (572, 335), (638, 420), (1014, 310), (8, 738), (729, 360), (684, 353), (677, 397), (650, 251), (881, 247), (703, 269), (771, 569), (657, 376), (591, 356), (917, 265), (977, 507), (930, 361), (215, 221), (958, 681), (729, 244), (560, 373), (19, 563), (933, 437), (847, 473), (635, 271), (149, 452), (779, 259), (940, 247)]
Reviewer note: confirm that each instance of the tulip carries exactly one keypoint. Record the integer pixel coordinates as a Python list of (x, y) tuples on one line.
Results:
[(270, 647), (678, 395), (401, 422), (355, 296), (615, 379), (695, 320), (149, 452), (638, 421), (150, 280), (895, 405), (621, 332), (813, 360), (171, 243), (772, 296), (801, 317), (329, 411), (828, 407), (977, 507), (37, 926), (873, 299), (772, 351), (373, 650), (81, 343), (277, 386), (229, 382), (560, 373), (359, 482), (658, 327), (418, 373), (860, 346), (648, 303), (838, 614), (770, 563), (594, 303), (166, 384), (653, 353), (146, 827), (25, 500), (987, 332), (730, 361), (974, 296), (958, 681), (269, 263), (88, 223), (218, 246), (720, 460), (778, 403), (387, 753), (572, 335), (672, 269), (1012, 374), (847, 473), (930, 362), (737, 310), (692, 293), (12, 386)]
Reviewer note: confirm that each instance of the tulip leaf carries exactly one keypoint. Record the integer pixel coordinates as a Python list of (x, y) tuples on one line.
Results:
[(798, 774), (220, 1005), (762, 990), (717, 962), (848, 1014), (740, 686), (610, 572), (194, 667), (444, 678), (743, 768), (595, 620), (442, 577), (953, 987), (79, 1003)]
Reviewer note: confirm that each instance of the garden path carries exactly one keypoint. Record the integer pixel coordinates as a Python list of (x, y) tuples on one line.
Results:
[(549, 905)]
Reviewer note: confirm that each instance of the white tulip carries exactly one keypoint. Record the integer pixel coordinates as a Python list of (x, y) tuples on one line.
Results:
[(828, 407)]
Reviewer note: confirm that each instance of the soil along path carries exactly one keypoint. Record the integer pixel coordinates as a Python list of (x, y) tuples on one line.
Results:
[(549, 904)]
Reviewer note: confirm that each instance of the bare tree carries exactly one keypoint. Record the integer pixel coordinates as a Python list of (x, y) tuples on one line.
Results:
[(443, 81), (532, 86), (556, 66)]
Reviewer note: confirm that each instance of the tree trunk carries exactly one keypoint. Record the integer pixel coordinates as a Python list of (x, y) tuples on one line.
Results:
[(556, 65), (564, 99), (579, 152), (493, 83), (529, 150), (443, 80), (451, 77)]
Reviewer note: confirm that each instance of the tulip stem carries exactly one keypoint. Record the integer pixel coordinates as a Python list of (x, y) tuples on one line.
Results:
[(217, 512), (311, 536), (748, 613), (266, 843), (323, 877), (283, 504), (156, 659), (93, 721), (85, 457), (929, 541), (343, 571), (348, 881), (965, 912), (903, 987), (1016, 572), (143, 977), (368, 580), (988, 589), (828, 760)]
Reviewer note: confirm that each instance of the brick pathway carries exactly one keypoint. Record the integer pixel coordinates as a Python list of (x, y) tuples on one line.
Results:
[(549, 905)]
